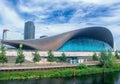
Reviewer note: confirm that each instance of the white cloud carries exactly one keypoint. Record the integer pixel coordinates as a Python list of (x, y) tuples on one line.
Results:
[(8, 15), (54, 29), (10, 19), (100, 2)]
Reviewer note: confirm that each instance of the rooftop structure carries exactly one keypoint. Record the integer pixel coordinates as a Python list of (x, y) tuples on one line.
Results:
[(86, 39)]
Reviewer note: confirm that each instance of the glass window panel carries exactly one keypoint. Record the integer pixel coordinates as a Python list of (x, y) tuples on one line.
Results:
[(84, 44)]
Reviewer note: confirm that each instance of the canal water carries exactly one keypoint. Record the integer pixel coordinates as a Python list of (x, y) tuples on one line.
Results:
[(109, 78)]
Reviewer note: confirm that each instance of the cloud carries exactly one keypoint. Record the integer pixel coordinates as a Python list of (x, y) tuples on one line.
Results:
[(9, 15), (10, 19), (50, 30), (101, 2), (56, 11), (84, 12)]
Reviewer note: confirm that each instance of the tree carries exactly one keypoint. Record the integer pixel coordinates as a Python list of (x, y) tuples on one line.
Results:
[(63, 58), (116, 55), (111, 60), (20, 56), (95, 57), (107, 59), (36, 57), (50, 57), (3, 58)]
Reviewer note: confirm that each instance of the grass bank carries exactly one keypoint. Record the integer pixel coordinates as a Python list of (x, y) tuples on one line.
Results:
[(54, 73)]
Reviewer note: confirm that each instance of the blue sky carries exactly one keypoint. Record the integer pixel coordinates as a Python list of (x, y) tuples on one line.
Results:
[(52, 17)]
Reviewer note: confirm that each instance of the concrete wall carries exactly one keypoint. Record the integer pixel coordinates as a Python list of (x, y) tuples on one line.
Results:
[(45, 53), (29, 55)]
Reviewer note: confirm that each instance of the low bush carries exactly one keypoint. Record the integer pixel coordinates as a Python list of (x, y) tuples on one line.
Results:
[(82, 66)]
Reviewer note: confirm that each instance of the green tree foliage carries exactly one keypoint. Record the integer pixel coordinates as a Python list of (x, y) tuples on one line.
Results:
[(20, 56), (116, 54), (36, 57), (95, 57), (82, 66), (50, 57), (63, 58), (107, 59), (3, 58)]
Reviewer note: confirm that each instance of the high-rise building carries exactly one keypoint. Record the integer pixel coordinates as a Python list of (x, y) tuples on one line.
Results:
[(29, 30)]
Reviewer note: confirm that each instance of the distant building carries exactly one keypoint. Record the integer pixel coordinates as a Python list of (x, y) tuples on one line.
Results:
[(29, 30)]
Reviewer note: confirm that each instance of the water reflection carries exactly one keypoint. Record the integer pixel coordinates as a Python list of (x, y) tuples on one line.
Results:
[(110, 78)]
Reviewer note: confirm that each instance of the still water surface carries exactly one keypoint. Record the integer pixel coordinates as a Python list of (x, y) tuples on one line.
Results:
[(110, 78)]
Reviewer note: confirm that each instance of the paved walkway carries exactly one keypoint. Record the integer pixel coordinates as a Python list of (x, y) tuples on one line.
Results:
[(32, 66)]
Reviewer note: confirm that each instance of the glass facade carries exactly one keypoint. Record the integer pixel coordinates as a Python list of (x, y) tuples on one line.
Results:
[(84, 44)]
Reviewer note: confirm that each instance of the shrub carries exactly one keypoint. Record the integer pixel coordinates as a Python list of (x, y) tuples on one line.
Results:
[(82, 66)]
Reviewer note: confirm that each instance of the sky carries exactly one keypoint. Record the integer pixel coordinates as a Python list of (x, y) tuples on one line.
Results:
[(53, 17)]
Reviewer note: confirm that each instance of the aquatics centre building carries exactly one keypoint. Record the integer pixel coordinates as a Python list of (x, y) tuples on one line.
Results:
[(78, 45), (86, 39)]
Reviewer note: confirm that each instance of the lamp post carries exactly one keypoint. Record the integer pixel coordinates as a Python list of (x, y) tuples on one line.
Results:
[(4, 34)]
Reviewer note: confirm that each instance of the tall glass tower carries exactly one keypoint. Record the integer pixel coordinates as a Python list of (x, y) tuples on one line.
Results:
[(29, 30)]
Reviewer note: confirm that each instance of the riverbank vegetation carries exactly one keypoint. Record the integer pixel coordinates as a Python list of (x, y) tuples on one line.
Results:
[(56, 73)]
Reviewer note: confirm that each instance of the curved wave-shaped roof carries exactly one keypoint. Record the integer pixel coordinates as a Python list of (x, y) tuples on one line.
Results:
[(55, 42)]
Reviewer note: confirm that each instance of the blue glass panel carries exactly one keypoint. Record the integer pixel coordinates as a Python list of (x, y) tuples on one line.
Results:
[(84, 44)]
